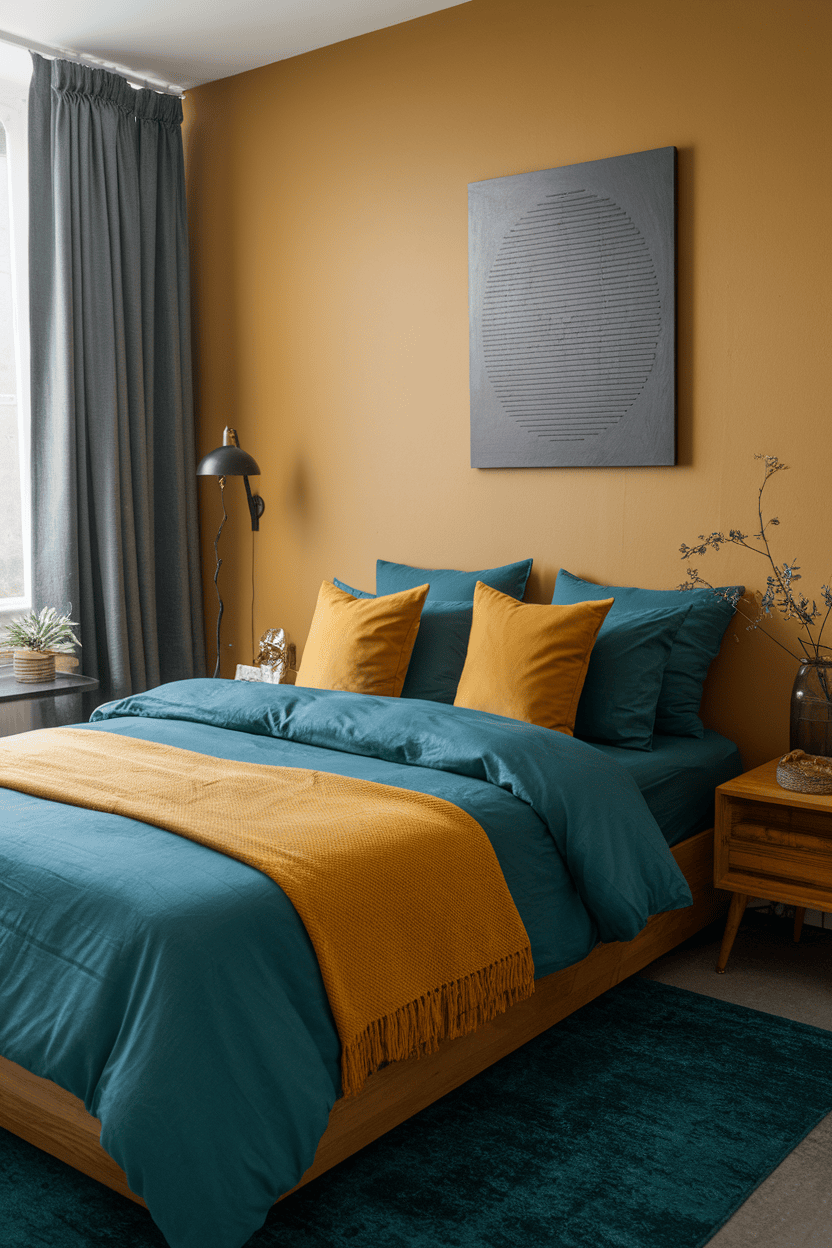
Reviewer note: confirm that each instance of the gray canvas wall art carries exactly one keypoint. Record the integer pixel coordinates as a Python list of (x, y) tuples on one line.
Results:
[(572, 315)]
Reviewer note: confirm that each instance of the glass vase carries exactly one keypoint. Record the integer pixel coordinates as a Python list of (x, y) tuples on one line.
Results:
[(810, 721)]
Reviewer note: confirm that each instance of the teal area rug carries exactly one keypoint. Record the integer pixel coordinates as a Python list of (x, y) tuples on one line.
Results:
[(642, 1121)]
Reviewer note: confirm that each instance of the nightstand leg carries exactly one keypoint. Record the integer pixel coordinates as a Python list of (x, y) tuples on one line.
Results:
[(798, 922), (738, 904)]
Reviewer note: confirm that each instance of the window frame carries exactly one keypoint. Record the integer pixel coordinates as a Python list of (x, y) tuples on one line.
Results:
[(14, 117)]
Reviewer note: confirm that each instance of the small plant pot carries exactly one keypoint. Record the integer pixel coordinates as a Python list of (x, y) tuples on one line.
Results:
[(33, 667)]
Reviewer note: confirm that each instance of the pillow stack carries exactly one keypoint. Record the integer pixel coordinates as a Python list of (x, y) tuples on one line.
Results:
[(691, 643), (442, 641), (625, 675), (606, 663)]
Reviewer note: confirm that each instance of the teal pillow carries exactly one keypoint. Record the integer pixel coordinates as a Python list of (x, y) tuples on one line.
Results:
[(439, 650), (448, 585), (624, 677), (696, 645), (356, 593)]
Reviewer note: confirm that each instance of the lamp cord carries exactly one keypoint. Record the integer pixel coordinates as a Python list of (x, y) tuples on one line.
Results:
[(253, 653), (217, 572)]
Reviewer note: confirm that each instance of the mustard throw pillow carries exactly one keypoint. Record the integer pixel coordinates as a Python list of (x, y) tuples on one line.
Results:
[(528, 661), (361, 645)]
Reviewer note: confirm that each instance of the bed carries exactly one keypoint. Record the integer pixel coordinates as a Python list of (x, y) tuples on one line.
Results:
[(163, 1023)]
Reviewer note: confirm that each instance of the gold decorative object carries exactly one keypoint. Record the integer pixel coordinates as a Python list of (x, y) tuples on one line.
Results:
[(805, 773), (276, 653), (265, 675)]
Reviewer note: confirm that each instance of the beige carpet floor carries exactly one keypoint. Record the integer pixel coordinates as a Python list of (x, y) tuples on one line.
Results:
[(768, 971)]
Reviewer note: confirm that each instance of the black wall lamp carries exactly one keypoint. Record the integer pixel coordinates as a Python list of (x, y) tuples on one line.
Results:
[(229, 460)]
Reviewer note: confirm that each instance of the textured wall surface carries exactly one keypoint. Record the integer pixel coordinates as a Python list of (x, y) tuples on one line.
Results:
[(328, 203)]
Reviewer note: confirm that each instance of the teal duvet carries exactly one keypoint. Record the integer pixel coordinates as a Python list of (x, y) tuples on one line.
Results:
[(175, 991)]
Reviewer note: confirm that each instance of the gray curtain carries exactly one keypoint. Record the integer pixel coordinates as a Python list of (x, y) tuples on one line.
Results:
[(113, 488)]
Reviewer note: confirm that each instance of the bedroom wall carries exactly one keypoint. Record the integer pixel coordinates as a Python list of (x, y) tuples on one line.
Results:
[(328, 217)]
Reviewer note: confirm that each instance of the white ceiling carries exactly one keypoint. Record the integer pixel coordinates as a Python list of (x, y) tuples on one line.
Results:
[(187, 42)]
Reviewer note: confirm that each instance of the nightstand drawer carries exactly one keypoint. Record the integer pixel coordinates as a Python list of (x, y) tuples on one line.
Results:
[(773, 843), (755, 862), (774, 832)]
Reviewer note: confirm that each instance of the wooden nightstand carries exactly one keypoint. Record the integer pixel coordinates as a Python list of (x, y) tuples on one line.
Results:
[(772, 843)]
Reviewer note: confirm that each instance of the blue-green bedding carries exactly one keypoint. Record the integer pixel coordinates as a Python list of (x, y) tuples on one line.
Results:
[(677, 778), (175, 991)]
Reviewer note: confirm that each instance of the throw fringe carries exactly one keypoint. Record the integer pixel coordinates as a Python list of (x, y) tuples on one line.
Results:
[(452, 1010)]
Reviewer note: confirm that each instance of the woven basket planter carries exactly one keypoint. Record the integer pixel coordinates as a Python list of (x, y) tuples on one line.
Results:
[(33, 667)]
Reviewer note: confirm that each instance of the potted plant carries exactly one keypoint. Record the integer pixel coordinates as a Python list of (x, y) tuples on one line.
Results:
[(35, 639), (810, 727)]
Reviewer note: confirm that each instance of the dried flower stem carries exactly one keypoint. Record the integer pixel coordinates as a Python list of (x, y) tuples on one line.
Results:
[(779, 585)]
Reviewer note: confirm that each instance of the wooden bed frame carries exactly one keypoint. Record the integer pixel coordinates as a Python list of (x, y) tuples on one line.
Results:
[(55, 1121)]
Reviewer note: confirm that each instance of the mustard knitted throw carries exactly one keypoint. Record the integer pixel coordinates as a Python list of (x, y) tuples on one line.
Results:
[(415, 931)]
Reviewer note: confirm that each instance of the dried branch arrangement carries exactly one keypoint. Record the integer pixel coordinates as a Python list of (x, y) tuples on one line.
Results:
[(780, 593)]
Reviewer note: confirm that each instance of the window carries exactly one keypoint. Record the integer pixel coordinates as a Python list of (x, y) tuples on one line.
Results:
[(15, 507)]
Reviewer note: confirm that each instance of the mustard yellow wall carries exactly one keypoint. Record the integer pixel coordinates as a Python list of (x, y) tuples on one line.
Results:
[(328, 206)]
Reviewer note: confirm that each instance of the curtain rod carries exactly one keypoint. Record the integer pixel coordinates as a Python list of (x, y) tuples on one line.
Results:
[(94, 62)]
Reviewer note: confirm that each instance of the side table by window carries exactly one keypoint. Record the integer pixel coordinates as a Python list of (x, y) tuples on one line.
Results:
[(17, 699), (774, 843)]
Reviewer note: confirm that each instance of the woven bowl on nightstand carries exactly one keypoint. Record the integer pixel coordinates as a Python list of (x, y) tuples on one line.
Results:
[(805, 773)]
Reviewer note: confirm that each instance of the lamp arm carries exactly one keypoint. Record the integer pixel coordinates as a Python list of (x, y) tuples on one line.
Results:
[(217, 572), (255, 505)]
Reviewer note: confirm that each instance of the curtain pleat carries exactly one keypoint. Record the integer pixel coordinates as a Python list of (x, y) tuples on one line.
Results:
[(113, 457)]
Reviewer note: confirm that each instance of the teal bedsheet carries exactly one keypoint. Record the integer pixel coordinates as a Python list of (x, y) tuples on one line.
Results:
[(677, 778), (175, 991)]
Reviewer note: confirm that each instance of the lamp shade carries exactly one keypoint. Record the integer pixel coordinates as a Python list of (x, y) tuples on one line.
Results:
[(228, 461)]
